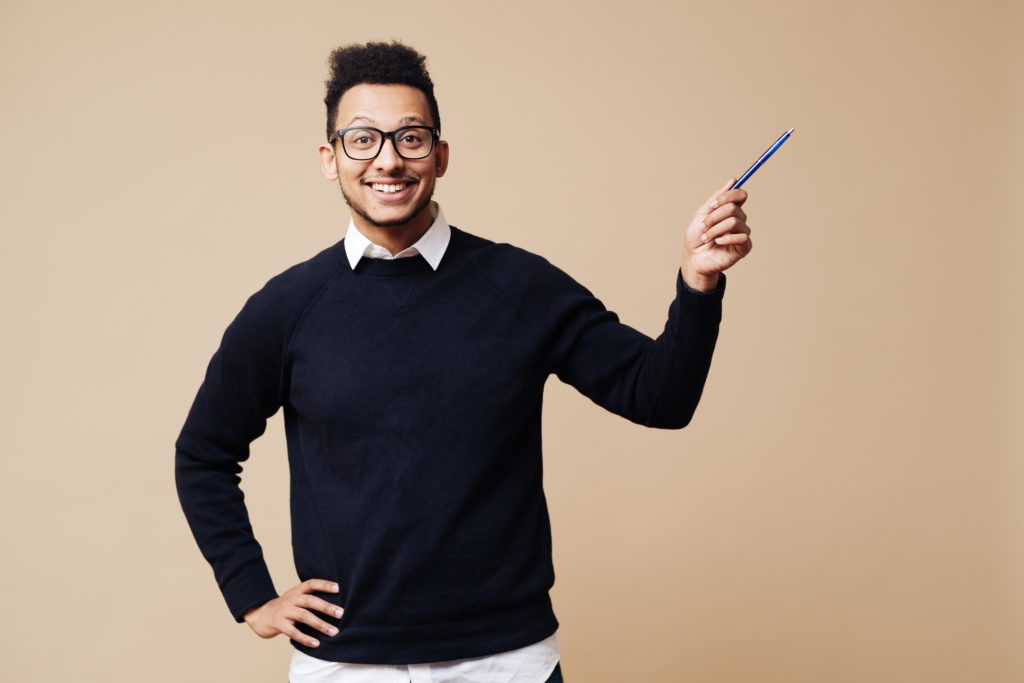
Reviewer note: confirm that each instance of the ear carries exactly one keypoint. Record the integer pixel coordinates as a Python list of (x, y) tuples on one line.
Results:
[(328, 162), (441, 157)]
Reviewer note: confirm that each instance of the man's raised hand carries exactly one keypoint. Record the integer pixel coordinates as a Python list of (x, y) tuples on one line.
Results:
[(717, 237)]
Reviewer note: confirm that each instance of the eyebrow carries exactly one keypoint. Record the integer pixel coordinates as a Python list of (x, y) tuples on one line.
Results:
[(404, 119)]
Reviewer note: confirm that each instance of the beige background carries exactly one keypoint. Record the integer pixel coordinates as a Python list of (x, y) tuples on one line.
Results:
[(845, 505)]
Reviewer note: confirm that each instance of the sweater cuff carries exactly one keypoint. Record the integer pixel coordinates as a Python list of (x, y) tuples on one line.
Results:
[(249, 589), (684, 290)]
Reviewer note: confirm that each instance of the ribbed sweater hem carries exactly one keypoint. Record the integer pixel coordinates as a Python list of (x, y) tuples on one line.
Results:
[(490, 634)]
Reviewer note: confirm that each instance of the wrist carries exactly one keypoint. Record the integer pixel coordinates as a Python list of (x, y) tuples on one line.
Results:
[(251, 613), (702, 283)]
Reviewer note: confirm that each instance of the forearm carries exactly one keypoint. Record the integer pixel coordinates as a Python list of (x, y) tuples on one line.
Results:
[(654, 382), (214, 507)]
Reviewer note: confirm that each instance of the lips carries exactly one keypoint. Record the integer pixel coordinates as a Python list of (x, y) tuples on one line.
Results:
[(392, 197)]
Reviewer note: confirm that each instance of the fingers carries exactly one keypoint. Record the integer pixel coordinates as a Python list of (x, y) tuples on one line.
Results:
[(721, 221), (310, 585), (732, 224), (319, 604), (733, 238), (712, 201), (725, 219), (289, 629), (310, 619), (721, 213), (298, 602), (736, 197), (742, 243), (724, 202), (723, 188)]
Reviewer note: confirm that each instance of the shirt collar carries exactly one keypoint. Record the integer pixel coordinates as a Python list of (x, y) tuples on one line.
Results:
[(431, 245)]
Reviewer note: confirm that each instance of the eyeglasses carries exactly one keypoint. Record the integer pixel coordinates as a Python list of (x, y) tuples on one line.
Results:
[(363, 143)]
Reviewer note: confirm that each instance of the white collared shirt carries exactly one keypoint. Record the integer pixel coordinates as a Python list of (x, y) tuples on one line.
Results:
[(431, 244), (530, 664)]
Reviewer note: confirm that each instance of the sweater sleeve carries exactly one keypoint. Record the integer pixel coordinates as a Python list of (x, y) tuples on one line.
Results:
[(241, 390), (653, 382)]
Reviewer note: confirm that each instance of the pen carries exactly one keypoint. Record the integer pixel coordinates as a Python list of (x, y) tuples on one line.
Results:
[(764, 157)]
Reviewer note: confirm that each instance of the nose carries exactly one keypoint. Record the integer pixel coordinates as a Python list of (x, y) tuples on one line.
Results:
[(388, 157)]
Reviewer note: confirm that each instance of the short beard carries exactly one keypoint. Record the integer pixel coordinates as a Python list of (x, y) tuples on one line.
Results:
[(355, 206)]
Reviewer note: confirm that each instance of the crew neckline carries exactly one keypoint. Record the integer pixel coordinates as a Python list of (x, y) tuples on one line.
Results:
[(404, 265)]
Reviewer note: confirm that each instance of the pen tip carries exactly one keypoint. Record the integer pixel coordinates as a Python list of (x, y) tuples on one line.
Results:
[(790, 131)]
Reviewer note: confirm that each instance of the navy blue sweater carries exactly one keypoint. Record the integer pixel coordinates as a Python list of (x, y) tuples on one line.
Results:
[(412, 409)]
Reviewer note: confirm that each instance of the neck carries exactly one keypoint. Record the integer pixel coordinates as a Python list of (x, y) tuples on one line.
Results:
[(396, 238)]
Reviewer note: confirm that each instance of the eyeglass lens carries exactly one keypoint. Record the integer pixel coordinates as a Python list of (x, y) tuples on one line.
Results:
[(412, 143)]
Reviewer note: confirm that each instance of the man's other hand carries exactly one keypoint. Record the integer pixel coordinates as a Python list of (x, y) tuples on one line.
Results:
[(295, 604)]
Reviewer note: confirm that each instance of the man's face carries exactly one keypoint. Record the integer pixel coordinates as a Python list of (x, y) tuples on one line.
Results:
[(386, 107)]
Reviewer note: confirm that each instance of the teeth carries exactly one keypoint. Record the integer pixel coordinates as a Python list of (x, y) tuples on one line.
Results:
[(389, 188)]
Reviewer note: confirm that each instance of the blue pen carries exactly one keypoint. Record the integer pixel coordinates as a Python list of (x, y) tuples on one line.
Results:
[(764, 157)]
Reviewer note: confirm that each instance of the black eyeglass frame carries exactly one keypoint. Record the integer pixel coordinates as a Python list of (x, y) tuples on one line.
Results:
[(435, 134)]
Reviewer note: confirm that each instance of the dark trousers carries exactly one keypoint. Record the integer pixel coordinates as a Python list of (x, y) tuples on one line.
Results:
[(556, 675)]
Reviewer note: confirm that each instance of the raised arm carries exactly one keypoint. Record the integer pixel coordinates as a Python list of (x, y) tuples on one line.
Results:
[(653, 382)]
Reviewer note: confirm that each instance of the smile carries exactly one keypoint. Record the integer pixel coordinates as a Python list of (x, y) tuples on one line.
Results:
[(392, 192)]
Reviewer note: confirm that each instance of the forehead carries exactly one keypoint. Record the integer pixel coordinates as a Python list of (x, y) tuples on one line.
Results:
[(383, 105)]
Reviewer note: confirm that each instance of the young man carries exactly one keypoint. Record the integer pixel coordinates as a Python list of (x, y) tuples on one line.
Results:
[(410, 359)]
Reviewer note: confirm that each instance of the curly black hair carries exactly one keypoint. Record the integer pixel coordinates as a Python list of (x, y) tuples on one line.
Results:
[(376, 62)]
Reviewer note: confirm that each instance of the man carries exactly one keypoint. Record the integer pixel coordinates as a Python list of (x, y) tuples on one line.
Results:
[(410, 359)]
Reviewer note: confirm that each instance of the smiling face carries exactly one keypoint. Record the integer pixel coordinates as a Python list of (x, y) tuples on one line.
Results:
[(385, 106)]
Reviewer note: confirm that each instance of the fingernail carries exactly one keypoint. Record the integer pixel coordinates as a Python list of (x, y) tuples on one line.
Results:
[(714, 202), (313, 643), (337, 612), (704, 237), (334, 587), (332, 630)]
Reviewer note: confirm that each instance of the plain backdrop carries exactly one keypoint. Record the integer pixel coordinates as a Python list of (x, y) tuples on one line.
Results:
[(845, 505)]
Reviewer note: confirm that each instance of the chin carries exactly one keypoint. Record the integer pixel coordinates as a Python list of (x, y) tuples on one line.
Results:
[(380, 222), (388, 217)]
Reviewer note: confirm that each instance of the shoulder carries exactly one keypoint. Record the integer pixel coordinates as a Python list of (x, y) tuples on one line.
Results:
[(514, 269), (541, 291), (283, 298)]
